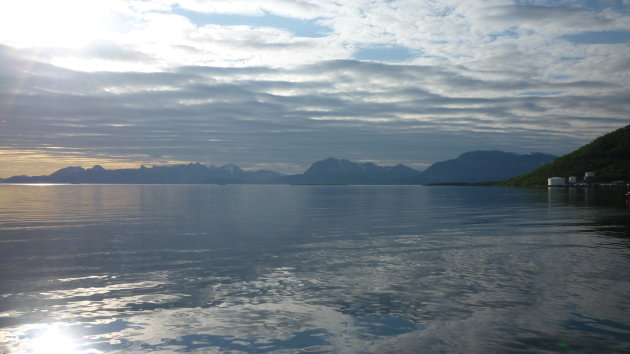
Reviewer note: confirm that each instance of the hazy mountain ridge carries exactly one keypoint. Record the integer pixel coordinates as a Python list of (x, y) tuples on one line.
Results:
[(335, 171), (607, 156), (484, 166), (470, 167), (189, 173)]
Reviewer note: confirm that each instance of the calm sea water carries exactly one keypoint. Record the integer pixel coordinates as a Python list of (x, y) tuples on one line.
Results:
[(373, 269)]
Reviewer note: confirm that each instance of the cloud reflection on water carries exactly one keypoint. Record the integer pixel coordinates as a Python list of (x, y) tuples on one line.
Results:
[(355, 269)]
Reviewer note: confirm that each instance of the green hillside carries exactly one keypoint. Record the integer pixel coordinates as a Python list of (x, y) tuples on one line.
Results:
[(608, 156)]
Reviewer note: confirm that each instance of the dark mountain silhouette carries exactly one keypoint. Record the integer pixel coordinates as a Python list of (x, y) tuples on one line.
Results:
[(607, 156), (483, 166), (471, 167), (190, 173), (335, 171)]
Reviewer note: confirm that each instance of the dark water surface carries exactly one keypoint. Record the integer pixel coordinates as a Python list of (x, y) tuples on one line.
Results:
[(237, 268)]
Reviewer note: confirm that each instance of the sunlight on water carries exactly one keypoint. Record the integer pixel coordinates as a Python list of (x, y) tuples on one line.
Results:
[(53, 341), (326, 269), (48, 339), (38, 184)]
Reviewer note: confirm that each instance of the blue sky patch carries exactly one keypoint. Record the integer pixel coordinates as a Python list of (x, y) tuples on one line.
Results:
[(617, 5), (571, 59), (601, 37), (560, 77), (509, 33), (539, 93), (385, 53), (301, 28), (446, 11), (597, 5)]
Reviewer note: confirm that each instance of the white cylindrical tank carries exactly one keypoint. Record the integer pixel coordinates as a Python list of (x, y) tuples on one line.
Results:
[(589, 177), (555, 181)]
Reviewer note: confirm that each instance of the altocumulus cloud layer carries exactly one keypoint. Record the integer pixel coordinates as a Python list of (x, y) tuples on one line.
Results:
[(278, 84)]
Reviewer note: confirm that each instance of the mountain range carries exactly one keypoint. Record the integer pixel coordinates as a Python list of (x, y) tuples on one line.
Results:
[(188, 173), (607, 156), (335, 171), (475, 166), (484, 166)]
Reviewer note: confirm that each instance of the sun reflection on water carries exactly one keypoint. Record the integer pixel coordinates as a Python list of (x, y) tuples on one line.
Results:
[(157, 269), (54, 340)]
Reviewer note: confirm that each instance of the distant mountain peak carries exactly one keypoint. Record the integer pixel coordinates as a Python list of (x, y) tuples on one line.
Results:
[(329, 164), (472, 166), (182, 173), (342, 171), (231, 168), (67, 171), (476, 154), (483, 166)]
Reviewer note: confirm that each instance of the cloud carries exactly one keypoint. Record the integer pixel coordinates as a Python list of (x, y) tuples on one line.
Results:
[(174, 81), (288, 8), (293, 116)]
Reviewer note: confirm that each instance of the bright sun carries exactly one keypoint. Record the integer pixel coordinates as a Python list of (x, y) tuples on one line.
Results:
[(54, 341), (59, 23)]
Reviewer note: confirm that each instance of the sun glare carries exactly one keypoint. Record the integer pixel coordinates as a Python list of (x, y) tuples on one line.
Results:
[(60, 23), (54, 341)]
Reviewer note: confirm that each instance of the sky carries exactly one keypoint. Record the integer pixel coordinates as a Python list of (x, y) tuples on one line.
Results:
[(279, 84)]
